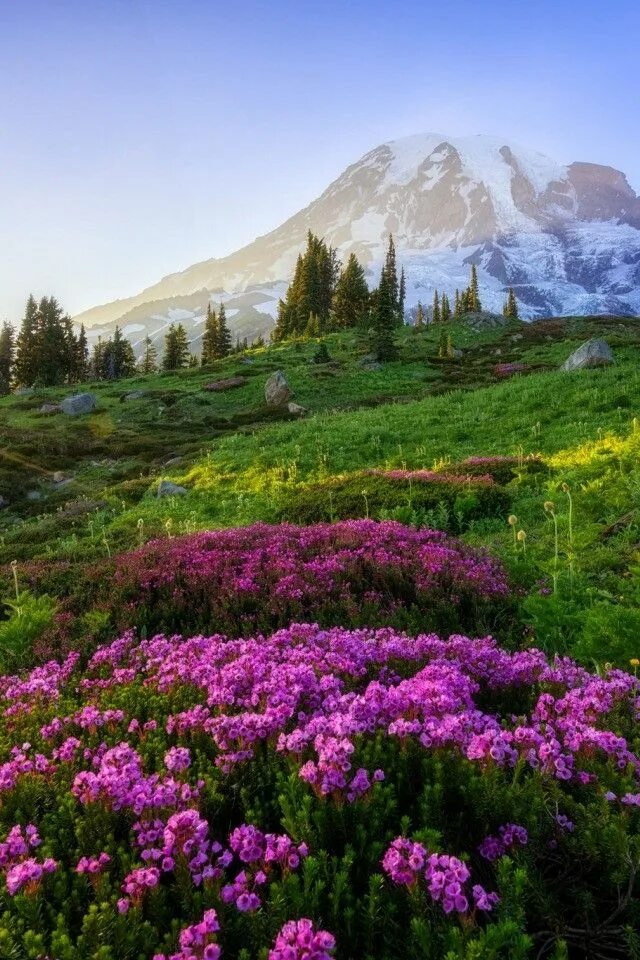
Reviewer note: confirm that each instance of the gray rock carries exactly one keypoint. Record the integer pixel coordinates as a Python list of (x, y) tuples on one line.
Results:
[(484, 320), (23, 391), (370, 362), (167, 488), (517, 336), (79, 403), (3, 502), (59, 476), (49, 408), (134, 395), (173, 461), (277, 391), (593, 353), (296, 408), (34, 495)]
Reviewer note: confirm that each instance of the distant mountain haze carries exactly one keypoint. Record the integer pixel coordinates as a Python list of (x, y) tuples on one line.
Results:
[(566, 238)]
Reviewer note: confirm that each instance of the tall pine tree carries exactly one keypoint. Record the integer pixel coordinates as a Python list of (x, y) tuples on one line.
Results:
[(210, 337), (402, 294), (148, 362), (310, 293), (351, 297), (419, 322), (7, 355), (435, 313), (385, 319), (176, 348), (224, 341), (510, 309), (26, 368)]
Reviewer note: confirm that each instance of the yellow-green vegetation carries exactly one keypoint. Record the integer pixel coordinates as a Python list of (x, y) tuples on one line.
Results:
[(240, 461)]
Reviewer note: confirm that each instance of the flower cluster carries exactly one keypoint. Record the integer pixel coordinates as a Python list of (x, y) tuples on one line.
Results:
[(299, 940), (509, 835), (22, 870), (197, 942), (446, 877)]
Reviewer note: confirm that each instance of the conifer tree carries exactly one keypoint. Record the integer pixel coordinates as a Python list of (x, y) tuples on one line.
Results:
[(7, 355), (148, 362), (81, 357), (402, 293), (385, 320), (442, 345), (210, 337), (176, 348), (510, 309), (474, 304), (419, 322), (224, 342), (445, 310), (351, 297), (26, 364), (457, 310), (310, 291), (391, 271), (435, 316), (52, 346)]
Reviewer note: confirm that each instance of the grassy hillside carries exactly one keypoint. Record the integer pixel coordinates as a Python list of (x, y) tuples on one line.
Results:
[(250, 719), (242, 462)]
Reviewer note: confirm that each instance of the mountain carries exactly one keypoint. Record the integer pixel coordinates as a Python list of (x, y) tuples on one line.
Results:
[(567, 238)]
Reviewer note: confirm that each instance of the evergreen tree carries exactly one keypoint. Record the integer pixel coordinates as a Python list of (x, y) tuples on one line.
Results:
[(96, 364), (445, 310), (450, 350), (118, 359), (474, 304), (224, 342), (351, 297), (81, 357), (176, 348), (52, 343), (402, 293), (435, 315), (149, 359), (457, 310), (419, 316), (385, 319), (442, 345), (510, 309), (210, 337), (321, 355), (26, 364), (7, 355), (310, 291), (391, 271)]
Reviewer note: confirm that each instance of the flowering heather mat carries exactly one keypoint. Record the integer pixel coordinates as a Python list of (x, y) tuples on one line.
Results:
[(316, 793), (263, 577)]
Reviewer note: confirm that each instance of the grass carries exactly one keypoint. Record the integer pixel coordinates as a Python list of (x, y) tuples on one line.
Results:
[(242, 462)]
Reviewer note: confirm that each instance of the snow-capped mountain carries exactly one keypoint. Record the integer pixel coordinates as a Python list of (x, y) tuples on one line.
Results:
[(567, 238)]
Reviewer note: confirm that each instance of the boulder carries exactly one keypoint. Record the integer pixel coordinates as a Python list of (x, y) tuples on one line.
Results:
[(3, 502), (134, 395), (277, 391), (34, 495), (370, 362), (49, 408), (296, 409), (23, 391), (231, 383), (79, 403), (593, 353), (59, 476), (167, 488)]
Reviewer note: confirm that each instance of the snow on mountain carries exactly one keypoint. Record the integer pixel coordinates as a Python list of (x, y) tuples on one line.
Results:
[(567, 238)]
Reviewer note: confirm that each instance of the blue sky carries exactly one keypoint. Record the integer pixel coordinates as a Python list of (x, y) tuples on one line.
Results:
[(139, 136)]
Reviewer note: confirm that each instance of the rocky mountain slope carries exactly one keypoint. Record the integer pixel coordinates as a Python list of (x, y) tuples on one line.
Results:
[(567, 238)]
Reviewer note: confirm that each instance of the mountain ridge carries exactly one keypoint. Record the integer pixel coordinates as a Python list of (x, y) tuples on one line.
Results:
[(567, 237)]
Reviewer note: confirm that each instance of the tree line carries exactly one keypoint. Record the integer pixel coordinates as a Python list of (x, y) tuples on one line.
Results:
[(323, 297), (47, 351)]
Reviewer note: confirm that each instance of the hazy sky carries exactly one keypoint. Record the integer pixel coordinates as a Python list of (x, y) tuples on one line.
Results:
[(139, 136)]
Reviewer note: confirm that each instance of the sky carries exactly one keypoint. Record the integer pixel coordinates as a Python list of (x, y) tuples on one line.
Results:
[(140, 136)]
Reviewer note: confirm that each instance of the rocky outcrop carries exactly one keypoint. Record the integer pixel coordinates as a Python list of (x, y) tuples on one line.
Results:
[(277, 391), (167, 488), (593, 353), (78, 404), (230, 383)]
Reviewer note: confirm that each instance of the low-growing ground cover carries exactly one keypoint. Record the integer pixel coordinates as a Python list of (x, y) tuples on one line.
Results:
[(269, 779), (320, 781)]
